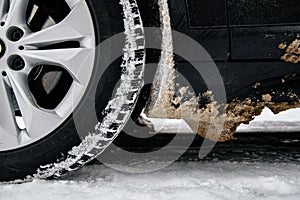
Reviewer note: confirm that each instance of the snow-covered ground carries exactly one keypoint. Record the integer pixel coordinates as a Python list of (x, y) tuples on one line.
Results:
[(193, 180), (292, 115), (287, 121), (269, 122), (208, 180)]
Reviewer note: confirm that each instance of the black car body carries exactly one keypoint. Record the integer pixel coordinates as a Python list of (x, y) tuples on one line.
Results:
[(246, 40)]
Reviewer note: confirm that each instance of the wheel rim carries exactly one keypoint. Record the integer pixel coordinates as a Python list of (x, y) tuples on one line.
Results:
[(44, 56)]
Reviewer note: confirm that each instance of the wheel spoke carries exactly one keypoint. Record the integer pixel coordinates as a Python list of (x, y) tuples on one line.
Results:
[(17, 12), (7, 117), (37, 121), (3, 8), (73, 60), (72, 28), (67, 44)]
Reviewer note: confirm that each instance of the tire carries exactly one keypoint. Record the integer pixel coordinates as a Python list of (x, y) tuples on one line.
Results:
[(23, 161)]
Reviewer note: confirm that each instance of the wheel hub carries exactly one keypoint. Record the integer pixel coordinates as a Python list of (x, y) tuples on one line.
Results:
[(32, 103)]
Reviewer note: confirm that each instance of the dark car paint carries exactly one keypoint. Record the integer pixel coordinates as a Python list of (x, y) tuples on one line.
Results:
[(243, 45), (238, 29), (214, 40)]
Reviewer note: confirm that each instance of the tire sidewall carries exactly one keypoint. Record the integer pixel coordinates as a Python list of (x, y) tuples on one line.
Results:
[(19, 163)]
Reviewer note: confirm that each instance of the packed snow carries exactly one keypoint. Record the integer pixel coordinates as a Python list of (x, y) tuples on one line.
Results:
[(268, 122), (286, 121), (181, 180), (209, 180)]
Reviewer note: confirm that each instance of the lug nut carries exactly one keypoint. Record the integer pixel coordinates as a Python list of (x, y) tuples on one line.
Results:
[(16, 62), (15, 34)]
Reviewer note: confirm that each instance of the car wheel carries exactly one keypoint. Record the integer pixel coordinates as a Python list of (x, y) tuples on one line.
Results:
[(48, 64)]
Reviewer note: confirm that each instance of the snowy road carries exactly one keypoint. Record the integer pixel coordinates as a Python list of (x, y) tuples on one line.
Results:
[(192, 180), (256, 166), (231, 171)]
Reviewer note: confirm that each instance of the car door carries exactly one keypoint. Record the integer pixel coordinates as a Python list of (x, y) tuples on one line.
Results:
[(205, 21), (259, 26)]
